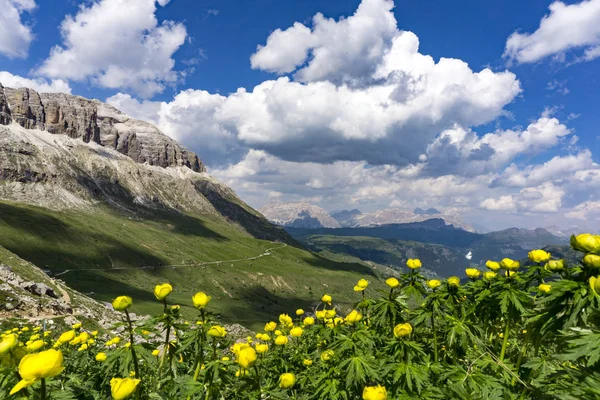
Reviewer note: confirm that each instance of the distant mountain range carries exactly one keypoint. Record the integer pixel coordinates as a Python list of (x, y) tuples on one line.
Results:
[(305, 215)]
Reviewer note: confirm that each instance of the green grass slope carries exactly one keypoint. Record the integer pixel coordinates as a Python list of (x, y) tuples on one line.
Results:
[(105, 250)]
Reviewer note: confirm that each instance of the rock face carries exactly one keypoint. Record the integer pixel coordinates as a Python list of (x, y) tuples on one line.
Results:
[(298, 215), (94, 121)]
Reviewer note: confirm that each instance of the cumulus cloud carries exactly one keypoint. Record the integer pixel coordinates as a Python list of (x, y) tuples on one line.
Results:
[(117, 44), (40, 84), (588, 210), (545, 198), (566, 28), (15, 36)]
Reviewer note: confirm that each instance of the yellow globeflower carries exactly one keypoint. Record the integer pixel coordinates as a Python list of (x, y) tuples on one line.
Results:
[(246, 357), (392, 282), (287, 380), (326, 299), (361, 285), (402, 330), (299, 312), (539, 256), (414, 263), (9, 342), (35, 345), (217, 331), (374, 393), (296, 332), (489, 275), (121, 303), (493, 265), (76, 326), (453, 281), (261, 348), (353, 317), (509, 264), (544, 287), (330, 313), (509, 273), (83, 347), (162, 291), (155, 352), (307, 362), (595, 285), (472, 273), (122, 388), (285, 320), (270, 326), (237, 347), (281, 340), (320, 314), (591, 260), (66, 337), (278, 333), (585, 242), (308, 321), (101, 357), (433, 283), (200, 300), (34, 367), (327, 355), (555, 265)]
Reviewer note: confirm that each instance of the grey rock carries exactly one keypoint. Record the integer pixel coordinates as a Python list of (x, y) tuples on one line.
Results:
[(9, 306), (40, 289), (94, 121)]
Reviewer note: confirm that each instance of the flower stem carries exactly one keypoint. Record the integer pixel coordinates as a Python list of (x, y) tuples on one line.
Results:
[(506, 331), (136, 367), (43, 390), (258, 382), (435, 341)]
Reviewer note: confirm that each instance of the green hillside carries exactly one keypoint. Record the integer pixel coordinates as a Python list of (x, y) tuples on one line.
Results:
[(94, 247)]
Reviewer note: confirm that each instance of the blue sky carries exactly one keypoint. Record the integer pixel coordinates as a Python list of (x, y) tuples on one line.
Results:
[(505, 132)]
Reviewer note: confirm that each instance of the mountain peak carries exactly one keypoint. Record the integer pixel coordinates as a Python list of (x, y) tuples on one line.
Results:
[(298, 215), (429, 211)]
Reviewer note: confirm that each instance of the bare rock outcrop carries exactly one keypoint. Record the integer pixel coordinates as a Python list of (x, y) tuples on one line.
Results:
[(94, 121)]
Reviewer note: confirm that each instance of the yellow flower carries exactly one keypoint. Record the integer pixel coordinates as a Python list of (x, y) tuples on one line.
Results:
[(392, 282), (200, 300), (9, 342), (155, 352), (472, 273), (361, 285), (241, 372), (66, 337), (237, 347), (327, 355), (509, 273), (84, 336), (585, 242), (246, 357), (493, 265), (296, 332), (554, 265), (353, 317), (374, 393), (287, 380), (34, 367), (121, 303), (162, 291), (83, 347), (489, 275), (76, 326), (539, 256), (307, 362), (330, 313), (91, 342), (34, 337), (595, 285), (510, 265), (591, 260), (270, 326), (94, 333), (433, 283), (278, 332), (326, 299), (544, 287), (121, 388), (299, 312), (285, 320), (308, 321), (402, 330), (217, 331), (320, 314), (453, 281), (281, 340), (35, 345), (414, 263), (101, 357), (261, 348)]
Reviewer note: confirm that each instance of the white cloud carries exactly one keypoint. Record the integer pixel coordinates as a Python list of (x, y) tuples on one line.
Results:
[(544, 198), (566, 28), (40, 85), (15, 36), (585, 211), (117, 44), (503, 203)]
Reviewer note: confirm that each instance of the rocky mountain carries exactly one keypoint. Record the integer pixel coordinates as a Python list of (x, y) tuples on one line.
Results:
[(345, 216), (298, 215), (398, 216), (562, 232)]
